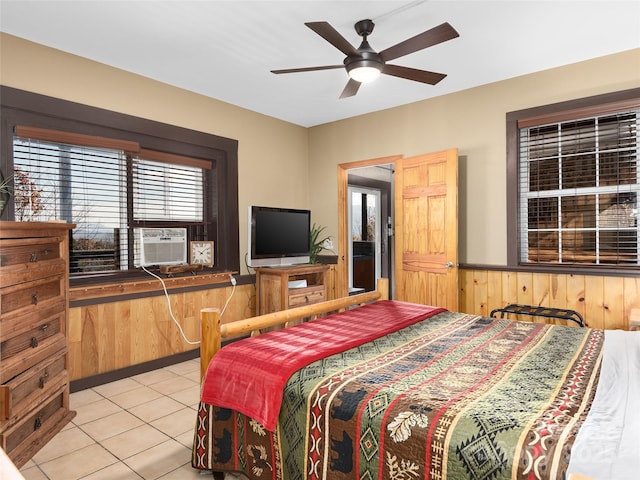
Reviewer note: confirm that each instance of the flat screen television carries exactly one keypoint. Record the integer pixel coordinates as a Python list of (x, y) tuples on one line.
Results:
[(278, 236)]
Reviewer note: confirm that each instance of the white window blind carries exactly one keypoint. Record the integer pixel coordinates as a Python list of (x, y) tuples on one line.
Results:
[(77, 184), (165, 191), (107, 192), (579, 191)]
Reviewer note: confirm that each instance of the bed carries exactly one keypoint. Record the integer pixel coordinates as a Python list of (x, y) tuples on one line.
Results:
[(380, 389)]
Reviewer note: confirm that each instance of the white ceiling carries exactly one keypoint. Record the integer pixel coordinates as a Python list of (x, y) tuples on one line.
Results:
[(226, 49)]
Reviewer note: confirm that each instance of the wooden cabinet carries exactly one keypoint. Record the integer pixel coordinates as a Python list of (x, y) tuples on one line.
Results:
[(286, 287), (34, 379)]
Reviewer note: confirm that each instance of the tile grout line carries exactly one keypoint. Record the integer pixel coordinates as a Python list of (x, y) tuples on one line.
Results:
[(102, 396)]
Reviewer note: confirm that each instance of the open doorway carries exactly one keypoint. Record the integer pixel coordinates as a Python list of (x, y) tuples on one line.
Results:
[(370, 221)]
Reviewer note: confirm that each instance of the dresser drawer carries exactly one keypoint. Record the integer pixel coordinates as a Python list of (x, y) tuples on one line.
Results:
[(25, 297), (13, 325), (34, 428), (29, 339), (23, 260), (32, 338), (21, 393), (306, 296), (19, 251)]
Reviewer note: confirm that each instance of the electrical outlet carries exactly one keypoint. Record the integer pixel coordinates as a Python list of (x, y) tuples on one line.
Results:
[(327, 244)]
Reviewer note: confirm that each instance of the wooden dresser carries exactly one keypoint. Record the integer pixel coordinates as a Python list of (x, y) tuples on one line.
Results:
[(34, 382)]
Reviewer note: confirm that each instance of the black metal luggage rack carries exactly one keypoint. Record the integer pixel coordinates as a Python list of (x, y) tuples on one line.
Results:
[(546, 312)]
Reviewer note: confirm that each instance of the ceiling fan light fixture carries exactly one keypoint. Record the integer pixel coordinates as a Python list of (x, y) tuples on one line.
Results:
[(364, 71), (364, 65)]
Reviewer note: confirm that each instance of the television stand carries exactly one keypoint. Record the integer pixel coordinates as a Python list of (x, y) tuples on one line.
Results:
[(276, 287)]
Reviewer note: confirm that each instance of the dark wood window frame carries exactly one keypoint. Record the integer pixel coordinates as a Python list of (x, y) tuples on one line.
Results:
[(20, 107), (558, 112)]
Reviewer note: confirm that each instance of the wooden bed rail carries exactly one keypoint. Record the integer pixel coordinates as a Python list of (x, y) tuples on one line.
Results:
[(213, 332)]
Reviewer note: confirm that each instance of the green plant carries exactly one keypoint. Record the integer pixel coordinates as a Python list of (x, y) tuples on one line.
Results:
[(5, 192), (317, 243), (5, 187)]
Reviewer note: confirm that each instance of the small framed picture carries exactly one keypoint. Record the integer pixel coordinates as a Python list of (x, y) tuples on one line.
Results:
[(201, 253)]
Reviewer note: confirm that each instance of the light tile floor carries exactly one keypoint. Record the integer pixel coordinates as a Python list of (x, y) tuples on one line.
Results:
[(137, 427)]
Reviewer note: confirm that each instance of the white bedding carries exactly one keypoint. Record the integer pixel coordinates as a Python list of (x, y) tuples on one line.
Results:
[(608, 444)]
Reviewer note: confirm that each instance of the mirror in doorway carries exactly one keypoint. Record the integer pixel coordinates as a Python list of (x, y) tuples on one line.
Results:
[(370, 211)]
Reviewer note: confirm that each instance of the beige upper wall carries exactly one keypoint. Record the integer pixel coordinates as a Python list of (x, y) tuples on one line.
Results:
[(283, 164), (473, 121)]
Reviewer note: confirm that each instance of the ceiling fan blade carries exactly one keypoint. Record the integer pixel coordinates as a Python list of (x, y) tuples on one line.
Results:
[(350, 89), (431, 37), (332, 36), (414, 74), (307, 69)]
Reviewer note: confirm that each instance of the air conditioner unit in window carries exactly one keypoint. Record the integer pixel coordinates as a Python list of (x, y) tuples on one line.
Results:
[(162, 246)]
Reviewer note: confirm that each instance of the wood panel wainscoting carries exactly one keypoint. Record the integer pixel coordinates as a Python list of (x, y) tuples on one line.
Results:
[(604, 301), (114, 327), (118, 326), (119, 333)]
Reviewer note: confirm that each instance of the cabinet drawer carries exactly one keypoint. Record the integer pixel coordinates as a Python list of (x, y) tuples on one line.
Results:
[(31, 427), (21, 393), (14, 325), (30, 296), (306, 297), (27, 340), (23, 260), (16, 252), (30, 339)]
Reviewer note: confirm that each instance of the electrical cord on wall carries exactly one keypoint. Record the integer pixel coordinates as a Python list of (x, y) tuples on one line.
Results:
[(166, 293), (232, 279), (250, 269)]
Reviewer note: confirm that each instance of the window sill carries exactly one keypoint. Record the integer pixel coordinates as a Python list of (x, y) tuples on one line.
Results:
[(142, 286), (559, 269)]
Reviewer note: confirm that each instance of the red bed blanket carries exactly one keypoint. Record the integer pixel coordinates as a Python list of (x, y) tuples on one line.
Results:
[(242, 375)]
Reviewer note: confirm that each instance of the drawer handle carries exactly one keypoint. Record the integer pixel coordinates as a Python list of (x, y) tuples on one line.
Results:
[(34, 257), (43, 379), (38, 423), (44, 327), (34, 298), (306, 298), (34, 342)]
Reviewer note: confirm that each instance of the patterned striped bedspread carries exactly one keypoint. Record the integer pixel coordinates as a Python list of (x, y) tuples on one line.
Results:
[(453, 397)]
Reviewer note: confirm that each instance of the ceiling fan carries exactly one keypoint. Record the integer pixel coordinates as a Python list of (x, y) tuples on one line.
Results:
[(365, 64)]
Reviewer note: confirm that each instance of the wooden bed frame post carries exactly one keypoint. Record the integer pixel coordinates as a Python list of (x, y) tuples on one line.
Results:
[(210, 339), (383, 288)]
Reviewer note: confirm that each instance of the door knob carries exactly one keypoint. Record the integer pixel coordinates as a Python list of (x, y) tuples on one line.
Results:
[(449, 265)]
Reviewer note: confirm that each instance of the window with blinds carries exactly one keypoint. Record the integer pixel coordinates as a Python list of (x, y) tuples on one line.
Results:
[(110, 174), (107, 191), (578, 191)]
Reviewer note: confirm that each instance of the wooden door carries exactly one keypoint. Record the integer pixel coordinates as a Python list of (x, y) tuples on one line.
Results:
[(426, 227)]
